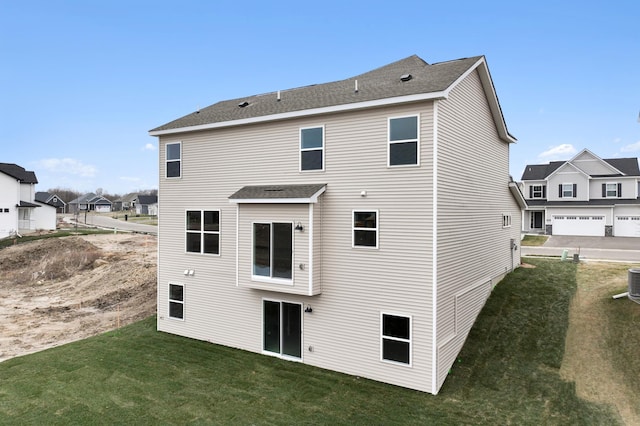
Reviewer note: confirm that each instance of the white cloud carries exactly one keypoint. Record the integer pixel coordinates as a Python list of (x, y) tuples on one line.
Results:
[(68, 166), (149, 147), (560, 152), (634, 147)]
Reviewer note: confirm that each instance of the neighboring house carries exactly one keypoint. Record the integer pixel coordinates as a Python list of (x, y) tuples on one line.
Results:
[(586, 195), (357, 225), (44, 218), (17, 200), (146, 204), (126, 202), (90, 202), (53, 200)]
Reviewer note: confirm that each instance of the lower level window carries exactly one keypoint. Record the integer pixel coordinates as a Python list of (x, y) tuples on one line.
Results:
[(396, 338), (282, 328), (176, 301)]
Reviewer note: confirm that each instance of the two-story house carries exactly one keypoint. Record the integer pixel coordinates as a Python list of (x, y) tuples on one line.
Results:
[(585, 195), (20, 212), (357, 225)]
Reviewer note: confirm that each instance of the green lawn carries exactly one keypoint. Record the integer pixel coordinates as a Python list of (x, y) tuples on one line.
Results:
[(507, 373), (534, 240)]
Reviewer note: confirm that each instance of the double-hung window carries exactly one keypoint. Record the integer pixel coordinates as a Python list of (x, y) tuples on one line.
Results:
[(176, 301), (568, 190), (365, 228), (312, 148), (173, 156), (396, 338), (611, 190), (273, 251), (203, 231), (537, 191), (404, 146)]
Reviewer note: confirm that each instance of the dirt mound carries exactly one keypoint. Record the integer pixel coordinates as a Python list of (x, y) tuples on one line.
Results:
[(59, 290)]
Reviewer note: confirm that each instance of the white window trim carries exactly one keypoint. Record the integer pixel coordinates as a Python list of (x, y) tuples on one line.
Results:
[(270, 279), (410, 340), (202, 231), (390, 142), (280, 355), (311, 149), (506, 220), (533, 191), (606, 192), (166, 161), (182, 302), (354, 229), (563, 191)]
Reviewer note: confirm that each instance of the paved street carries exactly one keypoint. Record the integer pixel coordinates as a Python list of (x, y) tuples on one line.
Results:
[(102, 221), (625, 249)]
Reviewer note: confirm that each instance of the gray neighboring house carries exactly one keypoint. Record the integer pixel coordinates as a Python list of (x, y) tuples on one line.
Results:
[(90, 202), (586, 195), (146, 204), (358, 225), (52, 200)]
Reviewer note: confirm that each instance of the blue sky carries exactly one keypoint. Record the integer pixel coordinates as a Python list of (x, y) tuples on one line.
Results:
[(82, 82)]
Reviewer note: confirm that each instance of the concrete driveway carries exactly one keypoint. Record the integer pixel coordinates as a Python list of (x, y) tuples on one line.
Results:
[(619, 249)]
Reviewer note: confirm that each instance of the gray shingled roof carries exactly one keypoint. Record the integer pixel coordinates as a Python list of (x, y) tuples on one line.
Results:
[(277, 192), (381, 83), (628, 166), (592, 202), (18, 173)]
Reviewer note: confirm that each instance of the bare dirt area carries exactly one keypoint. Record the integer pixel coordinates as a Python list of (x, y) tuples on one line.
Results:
[(59, 290), (587, 359)]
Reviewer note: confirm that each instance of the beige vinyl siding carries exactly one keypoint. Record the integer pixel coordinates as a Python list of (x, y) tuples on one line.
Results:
[(357, 284), (473, 247)]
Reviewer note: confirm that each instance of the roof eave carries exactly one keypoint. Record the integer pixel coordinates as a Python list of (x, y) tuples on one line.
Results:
[(306, 112)]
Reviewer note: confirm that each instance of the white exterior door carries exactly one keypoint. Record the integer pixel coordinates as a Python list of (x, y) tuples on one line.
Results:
[(592, 226), (626, 226)]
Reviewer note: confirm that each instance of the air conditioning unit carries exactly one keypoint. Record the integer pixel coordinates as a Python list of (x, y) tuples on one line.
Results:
[(634, 284)]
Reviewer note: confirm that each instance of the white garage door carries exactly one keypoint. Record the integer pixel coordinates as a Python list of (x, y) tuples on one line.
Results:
[(578, 225), (626, 226)]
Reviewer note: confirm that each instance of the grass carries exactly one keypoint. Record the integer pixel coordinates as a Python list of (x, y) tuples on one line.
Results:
[(507, 374), (534, 240), (6, 242), (621, 320)]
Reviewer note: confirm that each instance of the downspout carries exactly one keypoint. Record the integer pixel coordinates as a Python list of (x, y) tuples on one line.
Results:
[(434, 254)]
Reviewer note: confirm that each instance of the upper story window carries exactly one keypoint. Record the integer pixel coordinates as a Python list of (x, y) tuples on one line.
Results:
[(365, 229), (403, 141), (506, 220), (273, 250), (203, 231), (538, 191), (173, 156), (611, 190), (567, 190), (312, 148)]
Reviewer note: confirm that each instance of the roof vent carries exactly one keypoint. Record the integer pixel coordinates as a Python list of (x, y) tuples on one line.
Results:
[(406, 77), (243, 104)]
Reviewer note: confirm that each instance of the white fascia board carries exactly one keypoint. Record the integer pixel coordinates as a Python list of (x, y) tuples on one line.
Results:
[(515, 191), (306, 112), (568, 164)]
